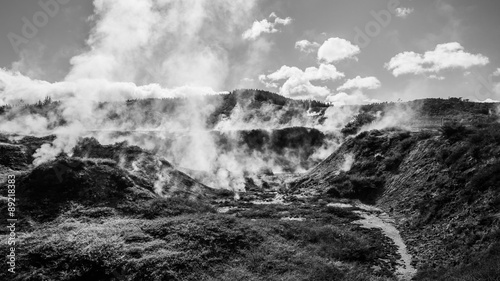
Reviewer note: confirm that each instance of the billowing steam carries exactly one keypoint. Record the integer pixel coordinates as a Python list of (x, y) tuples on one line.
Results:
[(178, 49), (400, 115), (171, 51), (347, 165)]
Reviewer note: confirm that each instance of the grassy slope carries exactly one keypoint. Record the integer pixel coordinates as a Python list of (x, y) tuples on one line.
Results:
[(444, 190), (196, 247), (99, 221), (186, 240)]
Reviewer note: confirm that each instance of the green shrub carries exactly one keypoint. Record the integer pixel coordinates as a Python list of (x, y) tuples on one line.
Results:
[(485, 134), (332, 242), (423, 135), (484, 267), (359, 121), (453, 131), (406, 144)]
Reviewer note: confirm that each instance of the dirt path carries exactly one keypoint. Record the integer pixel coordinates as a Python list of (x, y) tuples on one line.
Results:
[(376, 218), (371, 218)]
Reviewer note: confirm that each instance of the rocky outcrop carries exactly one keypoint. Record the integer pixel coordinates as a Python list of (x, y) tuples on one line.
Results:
[(16, 153), (118, 178), (50, 188), (147, 167), (443, 216), (13, 156)]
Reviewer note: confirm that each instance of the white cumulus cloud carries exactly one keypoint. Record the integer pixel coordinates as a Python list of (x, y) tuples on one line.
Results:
[(306, 46), (445, 56), (356, 98), (298, 82), (436, 77), (402, 12), (17, 87), (369, 83), (337, 49), (266, 26)]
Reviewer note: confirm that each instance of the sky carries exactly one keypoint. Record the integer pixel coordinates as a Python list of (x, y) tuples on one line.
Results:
[(340, 51)]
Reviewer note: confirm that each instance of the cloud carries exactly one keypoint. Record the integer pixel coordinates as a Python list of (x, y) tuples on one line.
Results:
[(445, 56), (80, 110), (265, 26), (306, 46), (370, 83), (248, 80), (181, 44), (403, 12), (179, 48), (324, 72), (298, 82), (337, 49), (356, 98), (436, 77), (17, 87), (496, 73), (176, 43), (488, 100)]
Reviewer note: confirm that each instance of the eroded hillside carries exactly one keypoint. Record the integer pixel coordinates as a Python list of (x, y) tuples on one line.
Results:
[(442, 188), (227, 188)]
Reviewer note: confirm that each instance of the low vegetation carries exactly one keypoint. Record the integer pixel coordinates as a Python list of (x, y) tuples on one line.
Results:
[(446, 183), (90, 218), (104, 221), (192, 243)]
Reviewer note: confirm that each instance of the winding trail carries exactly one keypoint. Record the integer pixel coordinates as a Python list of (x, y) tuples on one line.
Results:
[(371, 218), (375, 218)]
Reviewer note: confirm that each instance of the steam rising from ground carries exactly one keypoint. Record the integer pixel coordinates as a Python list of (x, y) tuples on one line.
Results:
[(347, 165), (171, 51), (398, 116), (179, 48)]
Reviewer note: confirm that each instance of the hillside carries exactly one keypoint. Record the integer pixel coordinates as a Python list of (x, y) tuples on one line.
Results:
[(442, 188), (424, 114), (122, 178), (99, 215), (244, 186)]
